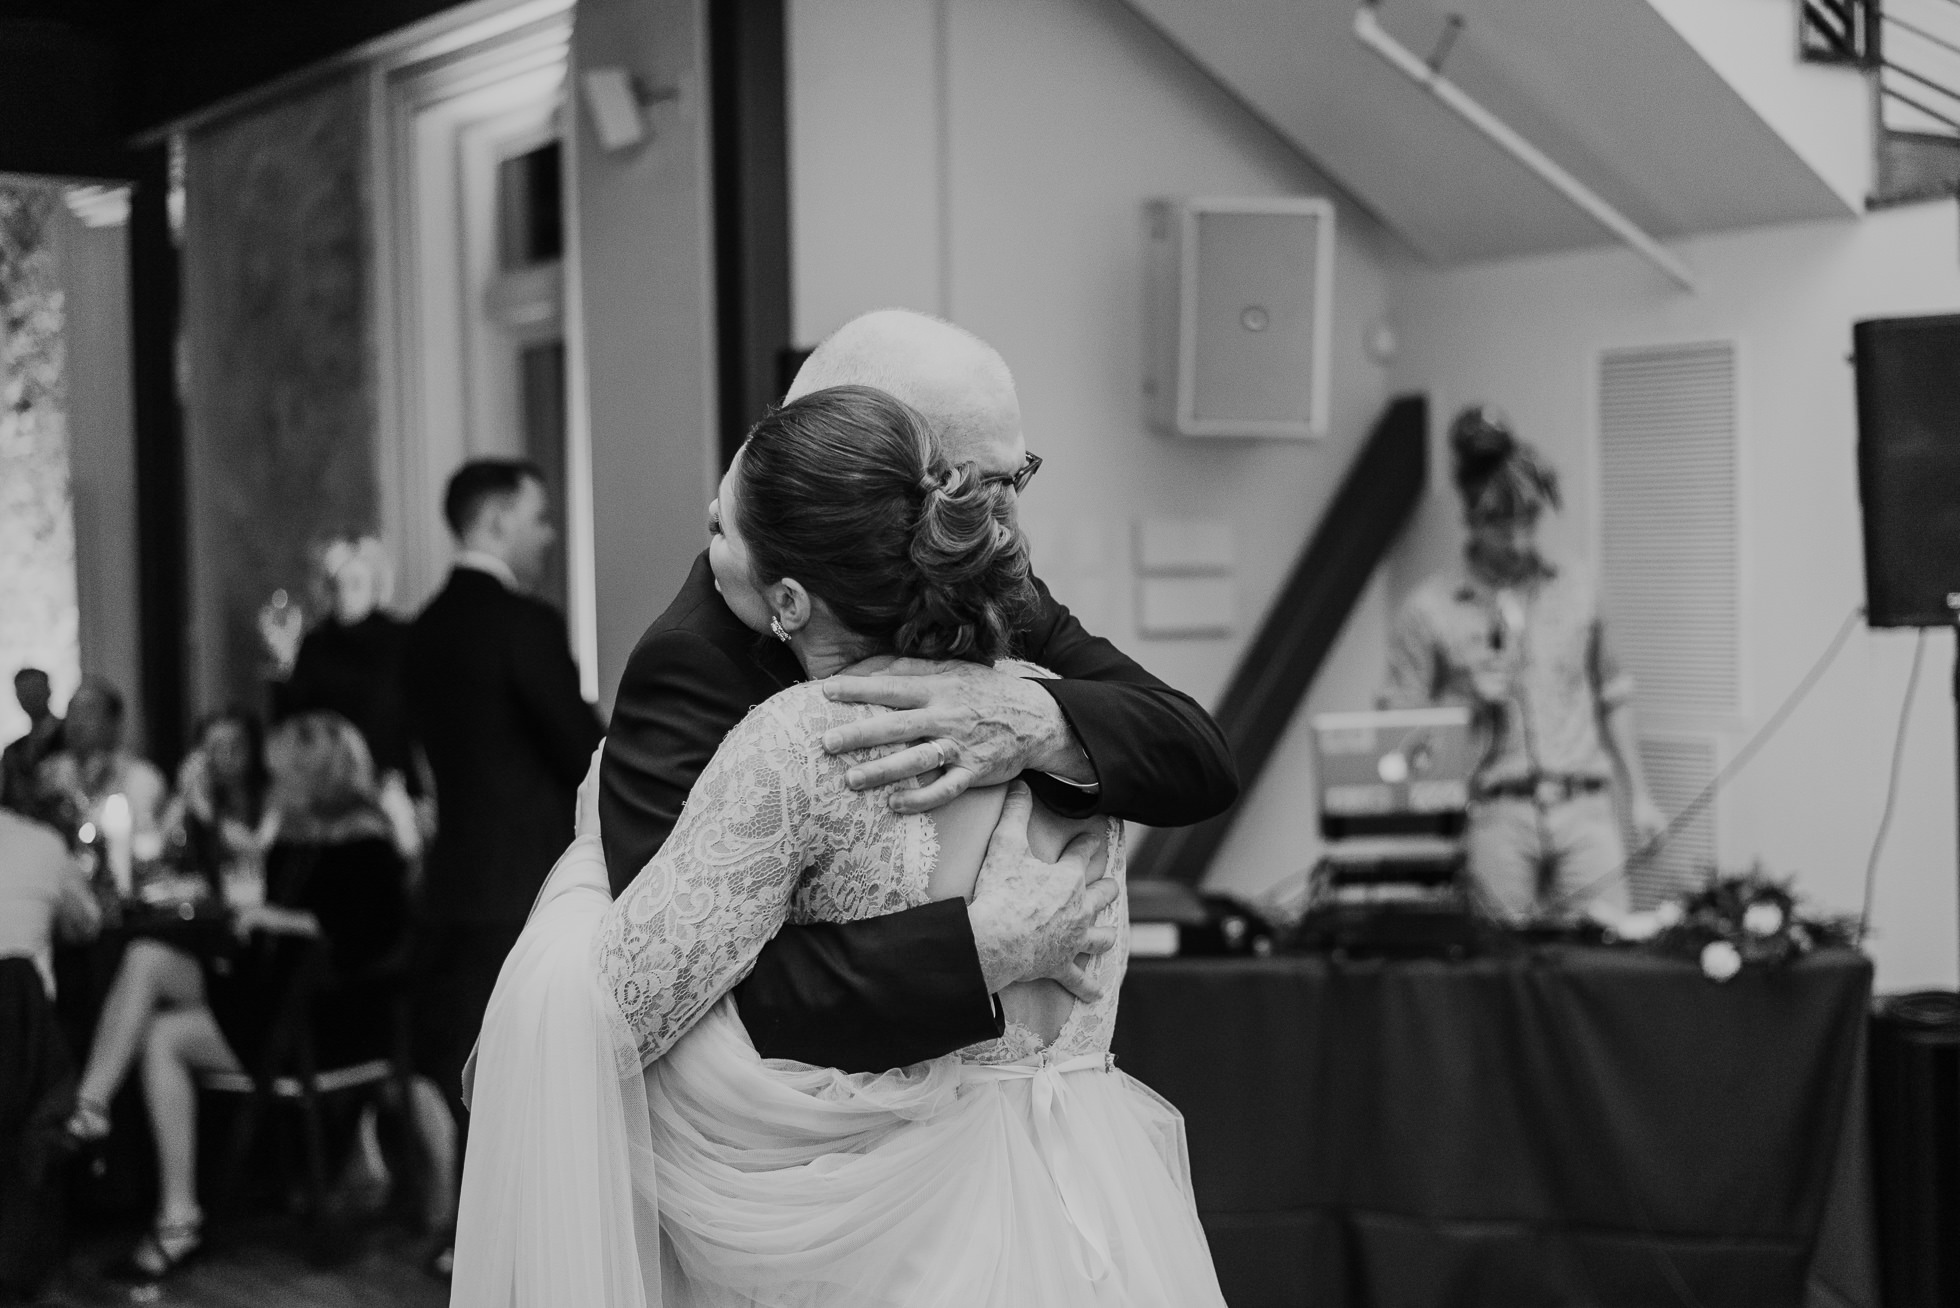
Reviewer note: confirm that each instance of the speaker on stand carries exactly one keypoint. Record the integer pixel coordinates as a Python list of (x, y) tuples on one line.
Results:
[(1909, 471), (1909, 489)]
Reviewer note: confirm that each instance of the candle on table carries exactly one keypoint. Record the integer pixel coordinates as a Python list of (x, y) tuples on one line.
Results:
[(117, 834)]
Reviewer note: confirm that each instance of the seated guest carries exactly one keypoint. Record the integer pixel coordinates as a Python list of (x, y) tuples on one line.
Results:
[(92, 765), (1520, 640), (214, 817), (42, 895), (21, 761), (332, 871)]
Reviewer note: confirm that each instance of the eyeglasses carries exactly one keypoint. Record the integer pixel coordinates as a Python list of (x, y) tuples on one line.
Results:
[(1021, 476)]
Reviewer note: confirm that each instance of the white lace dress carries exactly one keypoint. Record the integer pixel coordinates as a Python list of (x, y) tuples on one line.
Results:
[(628, 1146)]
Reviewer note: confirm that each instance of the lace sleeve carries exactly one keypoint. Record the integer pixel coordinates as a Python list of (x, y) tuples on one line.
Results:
[(691, 923)]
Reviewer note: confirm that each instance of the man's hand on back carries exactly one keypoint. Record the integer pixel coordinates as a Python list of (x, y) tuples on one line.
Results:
[(1033, 919), (982, 725)]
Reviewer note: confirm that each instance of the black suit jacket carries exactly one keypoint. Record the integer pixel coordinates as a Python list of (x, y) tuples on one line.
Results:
[(493, 698), (887, 991)]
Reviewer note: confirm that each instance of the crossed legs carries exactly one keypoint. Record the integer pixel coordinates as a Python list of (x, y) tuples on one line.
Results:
[(153, 979), (156, 1010), (180, 1044)]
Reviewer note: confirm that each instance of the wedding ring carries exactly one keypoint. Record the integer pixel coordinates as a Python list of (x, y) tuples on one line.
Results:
[(939, 749)]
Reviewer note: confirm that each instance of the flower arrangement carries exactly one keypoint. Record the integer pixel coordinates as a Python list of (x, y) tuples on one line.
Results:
[(1735, 921)]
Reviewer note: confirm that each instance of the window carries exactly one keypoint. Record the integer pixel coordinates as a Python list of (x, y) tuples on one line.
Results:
[(530, 209), (472, 216)]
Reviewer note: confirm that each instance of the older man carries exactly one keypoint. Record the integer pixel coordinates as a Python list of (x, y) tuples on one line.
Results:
[(92, 765), (1107, 737)]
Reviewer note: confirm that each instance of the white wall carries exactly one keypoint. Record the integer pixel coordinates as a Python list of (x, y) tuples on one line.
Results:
[(642, 349), (990, 160), (1526, 335)]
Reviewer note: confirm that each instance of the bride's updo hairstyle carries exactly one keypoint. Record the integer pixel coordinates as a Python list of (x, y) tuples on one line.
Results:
[(848, 491)]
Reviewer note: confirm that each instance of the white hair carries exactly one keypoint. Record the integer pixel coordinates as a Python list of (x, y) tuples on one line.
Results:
[(366, 553), (958, 382)]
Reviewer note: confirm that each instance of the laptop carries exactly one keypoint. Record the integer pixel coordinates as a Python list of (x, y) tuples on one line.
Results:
[(1394, 774), (1394, 802)]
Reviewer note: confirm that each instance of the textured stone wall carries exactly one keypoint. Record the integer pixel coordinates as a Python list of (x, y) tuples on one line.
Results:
[(280, 387), (37, 523)]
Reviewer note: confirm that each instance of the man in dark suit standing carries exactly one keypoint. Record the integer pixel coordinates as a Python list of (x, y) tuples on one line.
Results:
[(493, 697), (1105, 738)]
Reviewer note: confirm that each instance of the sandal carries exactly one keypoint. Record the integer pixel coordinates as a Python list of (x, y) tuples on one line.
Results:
[(166, 1247)]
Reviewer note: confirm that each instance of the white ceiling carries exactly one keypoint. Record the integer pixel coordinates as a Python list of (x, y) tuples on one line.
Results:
[(1608, 88)]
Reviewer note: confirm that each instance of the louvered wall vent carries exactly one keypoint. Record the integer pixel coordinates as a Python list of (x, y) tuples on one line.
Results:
[(1667, 446), (1668, 531)]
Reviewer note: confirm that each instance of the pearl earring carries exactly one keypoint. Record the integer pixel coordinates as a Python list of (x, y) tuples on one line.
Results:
[(776, 630)]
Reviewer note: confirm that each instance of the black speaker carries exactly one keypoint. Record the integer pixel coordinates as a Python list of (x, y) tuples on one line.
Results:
[(1915, 1116), (1909, 467)]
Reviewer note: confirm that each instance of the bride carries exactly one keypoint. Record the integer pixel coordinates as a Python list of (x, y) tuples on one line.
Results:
[(627, 1144)]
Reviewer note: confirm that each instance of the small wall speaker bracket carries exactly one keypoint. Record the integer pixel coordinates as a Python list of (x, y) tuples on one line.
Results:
[(618, 102)]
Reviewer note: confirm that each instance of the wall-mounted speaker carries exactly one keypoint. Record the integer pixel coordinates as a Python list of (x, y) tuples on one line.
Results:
[(1909, 467), (1239, 306)]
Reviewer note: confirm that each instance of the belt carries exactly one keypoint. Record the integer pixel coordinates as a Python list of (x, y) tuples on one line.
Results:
[(1542, 788)]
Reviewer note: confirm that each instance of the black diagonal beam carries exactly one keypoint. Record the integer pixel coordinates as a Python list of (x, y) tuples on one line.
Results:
[(1374, 503)]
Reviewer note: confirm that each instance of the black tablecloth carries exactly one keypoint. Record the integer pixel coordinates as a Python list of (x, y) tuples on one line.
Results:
[(1559, 1126)]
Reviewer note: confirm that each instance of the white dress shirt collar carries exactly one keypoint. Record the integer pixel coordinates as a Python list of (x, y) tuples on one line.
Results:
[(478, 561)]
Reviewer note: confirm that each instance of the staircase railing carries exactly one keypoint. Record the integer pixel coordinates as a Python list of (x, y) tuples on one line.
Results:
[(1839, 32), (1366, 515), (1915, 65)]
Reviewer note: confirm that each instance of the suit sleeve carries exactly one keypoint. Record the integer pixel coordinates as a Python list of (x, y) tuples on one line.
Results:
[(862, 996), (1159, 757), (545, 682), (677, 698), (870, 995)]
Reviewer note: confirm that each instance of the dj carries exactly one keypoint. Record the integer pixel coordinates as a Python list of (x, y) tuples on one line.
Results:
[(1520, 640)]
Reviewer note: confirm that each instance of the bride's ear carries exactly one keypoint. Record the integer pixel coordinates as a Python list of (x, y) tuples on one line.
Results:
[(791, 604)]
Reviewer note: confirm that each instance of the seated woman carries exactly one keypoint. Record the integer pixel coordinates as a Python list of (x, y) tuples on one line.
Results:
[(628, 1146), (215, 816), (332, 870), (214, 821)]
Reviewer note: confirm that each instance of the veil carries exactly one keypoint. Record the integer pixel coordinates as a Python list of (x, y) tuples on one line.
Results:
[(560, 1201)]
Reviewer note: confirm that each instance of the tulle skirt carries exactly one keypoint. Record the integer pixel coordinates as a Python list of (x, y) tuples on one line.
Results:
[(717, 1178)]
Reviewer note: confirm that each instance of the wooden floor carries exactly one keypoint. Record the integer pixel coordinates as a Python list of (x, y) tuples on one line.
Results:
[(262, 1265)]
